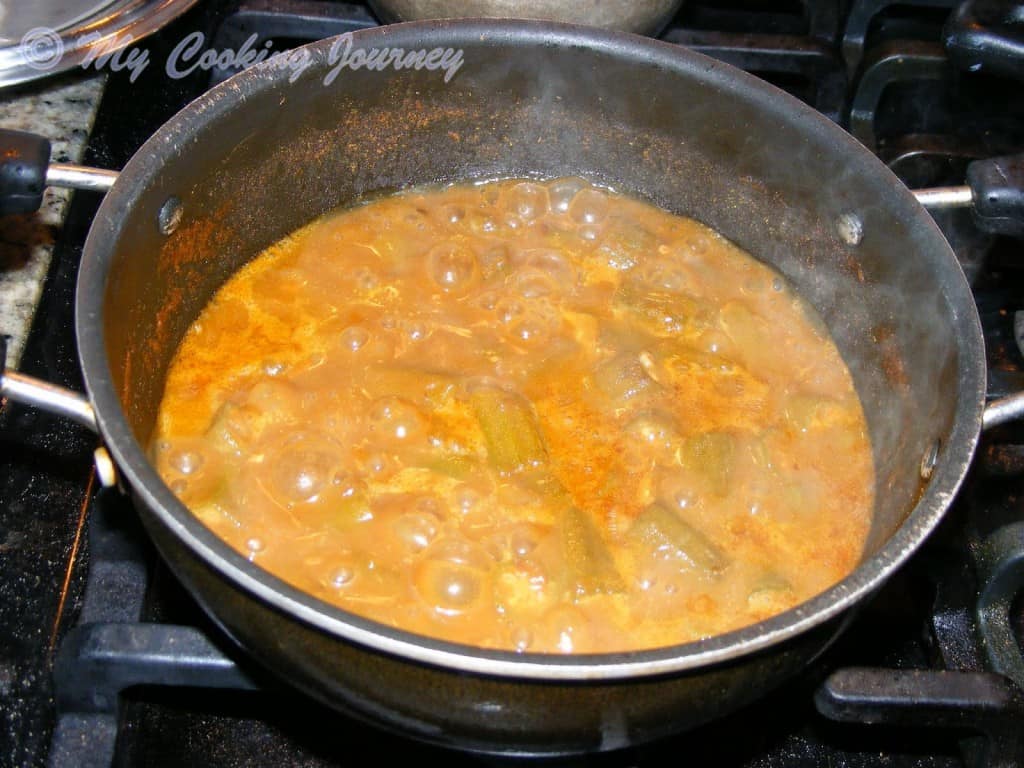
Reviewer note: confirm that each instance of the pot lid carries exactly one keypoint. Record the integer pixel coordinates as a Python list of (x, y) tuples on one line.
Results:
[(38, 39)]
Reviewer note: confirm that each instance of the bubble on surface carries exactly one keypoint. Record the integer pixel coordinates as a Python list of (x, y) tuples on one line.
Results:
[(449, 588), (509, 310), (527, 200), (562, 191), (343, 576), (452, 214), (564, 629), (467, 498), (301, 468), (522, 639), (380, 466), (548, 262), (191, 468), (482, 223), (354, 338), (273, 367), (396, 420), (185, 460), (589, 206), (531, 283), (655, 428), (452, 267), (416, 530)]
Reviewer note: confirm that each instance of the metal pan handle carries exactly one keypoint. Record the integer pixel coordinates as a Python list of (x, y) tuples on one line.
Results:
[(1003, 410), (26, 170), (49, 397), (41, 394), (59, 401), (63, 402)]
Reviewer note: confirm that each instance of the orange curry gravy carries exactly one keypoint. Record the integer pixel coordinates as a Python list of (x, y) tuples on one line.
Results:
[(522, 415)]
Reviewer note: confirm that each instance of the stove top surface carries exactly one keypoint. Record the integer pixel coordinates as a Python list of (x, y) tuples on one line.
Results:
[(74, 563)]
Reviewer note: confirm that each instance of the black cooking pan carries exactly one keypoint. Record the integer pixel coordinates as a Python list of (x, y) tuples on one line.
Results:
[(259, 156)]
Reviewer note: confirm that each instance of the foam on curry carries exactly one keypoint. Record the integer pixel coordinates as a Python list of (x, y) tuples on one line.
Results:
[(533, 416)]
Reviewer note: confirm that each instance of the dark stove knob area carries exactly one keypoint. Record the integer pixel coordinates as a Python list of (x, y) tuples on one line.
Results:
[(24, 159), (26, 170), (997, 186), (994, 191), (987, 35)]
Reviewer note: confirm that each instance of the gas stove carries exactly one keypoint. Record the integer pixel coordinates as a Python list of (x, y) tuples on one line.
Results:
[(105, 660)]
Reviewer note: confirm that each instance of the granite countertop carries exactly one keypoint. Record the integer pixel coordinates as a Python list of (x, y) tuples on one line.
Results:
[(62, 109)]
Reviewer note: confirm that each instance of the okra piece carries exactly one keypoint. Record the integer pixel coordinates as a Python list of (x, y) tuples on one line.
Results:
[(662, 314), (771, 594), (510, 429), (771, 582), (590, 565), (348, 511), (711, 455), (623, 378), (659, 527), (413, 383), (803, 412), (452, 465)]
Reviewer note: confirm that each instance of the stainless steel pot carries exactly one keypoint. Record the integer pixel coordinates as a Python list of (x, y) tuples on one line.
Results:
[(646, 17), (259, 156)]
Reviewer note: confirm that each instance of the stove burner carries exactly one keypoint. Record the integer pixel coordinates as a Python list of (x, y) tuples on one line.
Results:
[(980, 701), (796, 53), (873, 22), (283, 23)]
